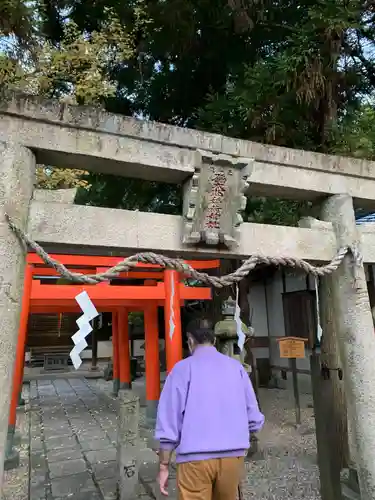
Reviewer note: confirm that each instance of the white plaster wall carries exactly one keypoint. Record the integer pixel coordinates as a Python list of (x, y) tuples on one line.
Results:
[(104, 350), (274, 290), (139, 351), (258, 316)]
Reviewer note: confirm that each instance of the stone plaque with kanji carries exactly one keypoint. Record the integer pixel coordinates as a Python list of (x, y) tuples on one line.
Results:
[(213, 200)]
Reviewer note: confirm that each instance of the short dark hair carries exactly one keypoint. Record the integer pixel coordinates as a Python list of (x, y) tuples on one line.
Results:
[(202, 331)]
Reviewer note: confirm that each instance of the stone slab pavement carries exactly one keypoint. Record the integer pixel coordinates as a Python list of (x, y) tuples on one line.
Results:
[(68, 449)]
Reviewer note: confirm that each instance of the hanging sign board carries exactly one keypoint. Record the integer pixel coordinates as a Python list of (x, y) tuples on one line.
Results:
[(292, 347)]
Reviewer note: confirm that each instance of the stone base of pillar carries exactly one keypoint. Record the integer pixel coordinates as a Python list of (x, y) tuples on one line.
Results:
[(350, 485), (124, 386), (17, 438), (12, 456), (151, 412), (12, 460), (94, 368), (153, 443), (108, 372), (116, 387), (254, 453)]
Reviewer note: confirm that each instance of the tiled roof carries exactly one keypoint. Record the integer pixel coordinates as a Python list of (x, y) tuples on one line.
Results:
[(366, 218)]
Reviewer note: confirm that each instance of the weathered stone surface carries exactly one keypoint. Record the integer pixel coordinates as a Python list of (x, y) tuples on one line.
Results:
[(55, 195), (213, 200), (108, 488), (55, 224), (94, 444), (17, 171), (97, 456), (77, 483), (88, 495), (95, 134), (67, 468), (61, 443), (128, 444), (90, 150), (60, 455), (105, 470)]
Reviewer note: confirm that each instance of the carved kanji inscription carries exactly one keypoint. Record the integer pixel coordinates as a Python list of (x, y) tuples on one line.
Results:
[(213, 200)]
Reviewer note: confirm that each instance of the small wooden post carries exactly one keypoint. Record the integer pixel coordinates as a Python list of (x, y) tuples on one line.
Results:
[(297, 403), (128, 445), (293, 348)]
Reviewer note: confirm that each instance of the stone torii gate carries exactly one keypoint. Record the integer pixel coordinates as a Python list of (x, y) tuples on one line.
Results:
[(216, 172)]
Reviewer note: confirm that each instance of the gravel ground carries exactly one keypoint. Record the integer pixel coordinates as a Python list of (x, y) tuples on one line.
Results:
[(289, 467)]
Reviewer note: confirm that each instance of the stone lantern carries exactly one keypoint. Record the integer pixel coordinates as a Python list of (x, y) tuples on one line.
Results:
[(226, 334)]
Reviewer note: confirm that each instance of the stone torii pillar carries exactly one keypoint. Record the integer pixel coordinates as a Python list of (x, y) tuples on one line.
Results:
[(356, 340), (17, 177)]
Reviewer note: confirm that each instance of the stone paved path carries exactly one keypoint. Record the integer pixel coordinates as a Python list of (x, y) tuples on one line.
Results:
[(73, 442), (69, 433), (72, 449)]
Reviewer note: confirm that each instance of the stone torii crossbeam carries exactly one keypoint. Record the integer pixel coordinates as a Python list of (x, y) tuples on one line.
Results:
[(216, 172)]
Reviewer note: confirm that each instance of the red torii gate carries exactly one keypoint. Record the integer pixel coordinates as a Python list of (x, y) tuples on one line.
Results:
[(168, 292)]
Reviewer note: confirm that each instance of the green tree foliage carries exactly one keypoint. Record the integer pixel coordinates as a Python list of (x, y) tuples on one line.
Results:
[(288, 73), (314, 63), (355, 134), (76, 69), (133, 194), (16, 19), (283, 73)]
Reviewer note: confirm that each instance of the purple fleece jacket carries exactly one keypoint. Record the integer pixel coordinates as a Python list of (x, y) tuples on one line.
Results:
[(207, 408)]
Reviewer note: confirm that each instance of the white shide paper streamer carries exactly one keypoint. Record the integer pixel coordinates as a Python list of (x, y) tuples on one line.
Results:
[(240, 333), (319, 332), (84, 327)]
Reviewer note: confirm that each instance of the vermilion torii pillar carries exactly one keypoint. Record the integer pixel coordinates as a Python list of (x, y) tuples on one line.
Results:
[(152, 362), (172, 312), (12, 455)]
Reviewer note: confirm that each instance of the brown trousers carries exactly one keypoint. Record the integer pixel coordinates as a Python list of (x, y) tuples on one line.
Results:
[(215, 479)]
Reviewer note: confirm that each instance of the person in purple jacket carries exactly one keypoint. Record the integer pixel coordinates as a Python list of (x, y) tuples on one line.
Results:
[(206, 412)]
